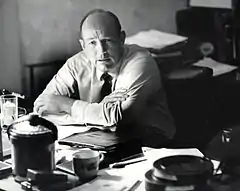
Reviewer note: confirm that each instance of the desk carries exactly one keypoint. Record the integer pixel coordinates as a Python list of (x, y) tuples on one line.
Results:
[(122, 179), (117, 179), (107, 180)]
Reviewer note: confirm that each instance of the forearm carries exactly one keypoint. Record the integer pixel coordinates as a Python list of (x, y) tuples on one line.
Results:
[(106, 114)]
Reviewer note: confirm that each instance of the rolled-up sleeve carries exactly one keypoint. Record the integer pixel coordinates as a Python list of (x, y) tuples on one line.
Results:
[(106, 114)]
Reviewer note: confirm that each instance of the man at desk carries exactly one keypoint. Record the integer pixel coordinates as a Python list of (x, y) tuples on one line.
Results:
[(110, 84)]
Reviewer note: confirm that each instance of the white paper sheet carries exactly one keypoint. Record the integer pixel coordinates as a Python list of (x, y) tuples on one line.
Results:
[(68, 126), (65, 131), (218, 68), (63, 119), (154, 39)]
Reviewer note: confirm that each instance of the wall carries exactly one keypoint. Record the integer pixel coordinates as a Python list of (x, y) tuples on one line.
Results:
[(42, 30), (10, 61), (49, 29)]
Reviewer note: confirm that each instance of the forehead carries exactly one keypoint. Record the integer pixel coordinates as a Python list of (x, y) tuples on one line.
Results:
[(99, 25)]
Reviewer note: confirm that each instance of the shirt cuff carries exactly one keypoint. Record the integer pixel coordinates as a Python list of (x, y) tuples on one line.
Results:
[(78, 109)]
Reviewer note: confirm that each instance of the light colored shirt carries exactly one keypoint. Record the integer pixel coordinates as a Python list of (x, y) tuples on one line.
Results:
[(145, 110)]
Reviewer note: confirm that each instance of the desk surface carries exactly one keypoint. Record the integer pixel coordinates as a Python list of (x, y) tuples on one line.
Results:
[(107, 180), (122, 179)]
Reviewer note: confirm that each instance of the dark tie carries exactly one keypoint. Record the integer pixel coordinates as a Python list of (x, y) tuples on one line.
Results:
[(107, 85)]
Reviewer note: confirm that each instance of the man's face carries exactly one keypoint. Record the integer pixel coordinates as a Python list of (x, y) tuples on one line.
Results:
[(101, 41)]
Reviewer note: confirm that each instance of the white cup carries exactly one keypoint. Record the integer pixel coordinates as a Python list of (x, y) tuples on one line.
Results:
[(86, 163)]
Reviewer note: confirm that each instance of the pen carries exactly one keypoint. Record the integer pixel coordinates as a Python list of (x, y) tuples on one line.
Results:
[(128, 162), (134, 186), (133, 156)]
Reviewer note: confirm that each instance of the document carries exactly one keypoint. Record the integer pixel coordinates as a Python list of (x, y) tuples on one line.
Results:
[(66, 131), (217, 67), (154, 154), (62, 120), (67, 125), (154, 39)]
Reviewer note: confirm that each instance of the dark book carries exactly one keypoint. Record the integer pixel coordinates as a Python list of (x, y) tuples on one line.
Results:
[(114, 146)]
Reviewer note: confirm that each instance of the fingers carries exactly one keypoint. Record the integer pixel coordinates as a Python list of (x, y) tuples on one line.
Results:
[(40, 102), (42, 110), (115, 97), (119, 95), (39, 107), (121, 92)]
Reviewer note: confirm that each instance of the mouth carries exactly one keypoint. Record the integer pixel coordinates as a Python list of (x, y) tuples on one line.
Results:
[(104, 60)]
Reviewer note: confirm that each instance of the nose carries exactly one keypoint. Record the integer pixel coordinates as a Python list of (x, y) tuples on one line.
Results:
[(101, 46), (101, 50)]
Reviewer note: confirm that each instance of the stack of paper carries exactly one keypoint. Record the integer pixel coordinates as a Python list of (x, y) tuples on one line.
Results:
[(154, 39)]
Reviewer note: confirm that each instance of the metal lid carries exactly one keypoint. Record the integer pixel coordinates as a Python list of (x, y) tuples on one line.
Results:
[(32, 125), (184, 169)]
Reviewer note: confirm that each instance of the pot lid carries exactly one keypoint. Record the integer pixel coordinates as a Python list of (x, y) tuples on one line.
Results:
[(183, 168), (32, 125)]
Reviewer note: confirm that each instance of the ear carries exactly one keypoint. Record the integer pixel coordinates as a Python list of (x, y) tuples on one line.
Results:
[(122, 37), (82, 43)]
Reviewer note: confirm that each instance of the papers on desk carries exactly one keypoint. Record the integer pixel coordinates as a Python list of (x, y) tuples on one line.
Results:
[(66, 131), (217, 67), (154, 39), (68, 126), (61, 120), (154, 154)]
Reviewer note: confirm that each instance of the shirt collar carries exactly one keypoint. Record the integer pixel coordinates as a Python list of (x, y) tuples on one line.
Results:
[(100, 73), (114, 75)]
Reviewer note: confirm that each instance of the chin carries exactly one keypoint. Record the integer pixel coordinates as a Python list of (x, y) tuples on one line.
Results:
[(105, 66)]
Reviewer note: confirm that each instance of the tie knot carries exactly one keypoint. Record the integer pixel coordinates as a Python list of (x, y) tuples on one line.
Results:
[(106, 77)]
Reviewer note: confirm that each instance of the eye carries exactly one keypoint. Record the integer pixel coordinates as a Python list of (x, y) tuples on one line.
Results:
[(109, 40), (93, 42)]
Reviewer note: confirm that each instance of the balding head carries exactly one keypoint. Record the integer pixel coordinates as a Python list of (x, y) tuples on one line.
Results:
[(100, 18)]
